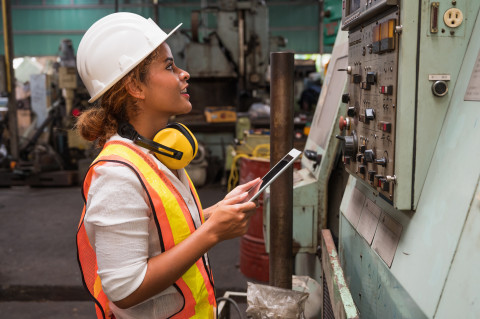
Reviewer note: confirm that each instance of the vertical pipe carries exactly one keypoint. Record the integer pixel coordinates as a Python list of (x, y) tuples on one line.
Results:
[(281, 191), (155, 11), (10, 79), (321, 16)]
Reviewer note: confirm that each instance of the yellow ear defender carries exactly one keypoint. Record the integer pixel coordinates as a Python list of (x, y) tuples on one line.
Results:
[(174, 146)]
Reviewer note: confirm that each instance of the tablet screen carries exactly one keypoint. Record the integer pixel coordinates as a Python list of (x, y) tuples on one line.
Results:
[(277, 168), (272, 174)]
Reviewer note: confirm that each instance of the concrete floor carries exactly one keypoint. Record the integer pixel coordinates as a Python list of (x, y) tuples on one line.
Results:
[(39, 275)]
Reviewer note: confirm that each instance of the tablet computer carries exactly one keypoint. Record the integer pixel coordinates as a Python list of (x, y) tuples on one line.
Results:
[(272, 174)]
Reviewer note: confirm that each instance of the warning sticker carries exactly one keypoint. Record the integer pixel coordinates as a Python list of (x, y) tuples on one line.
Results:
[(473, 89)]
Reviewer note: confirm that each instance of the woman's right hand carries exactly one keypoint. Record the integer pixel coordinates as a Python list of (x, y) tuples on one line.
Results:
[(230, 217)]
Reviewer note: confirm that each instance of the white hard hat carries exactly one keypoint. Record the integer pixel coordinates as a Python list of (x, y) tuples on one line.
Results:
[(113, 46)]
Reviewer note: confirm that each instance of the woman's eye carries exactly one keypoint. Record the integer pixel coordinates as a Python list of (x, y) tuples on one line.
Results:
[(170, 67)]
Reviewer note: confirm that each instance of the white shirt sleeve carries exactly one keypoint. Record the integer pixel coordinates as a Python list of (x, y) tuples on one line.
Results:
[(117, 224)]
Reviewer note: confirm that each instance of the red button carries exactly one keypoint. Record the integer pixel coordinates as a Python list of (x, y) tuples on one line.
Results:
[(342, 123)]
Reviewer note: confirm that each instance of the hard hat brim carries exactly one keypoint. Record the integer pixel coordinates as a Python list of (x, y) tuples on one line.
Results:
[(125, 72)]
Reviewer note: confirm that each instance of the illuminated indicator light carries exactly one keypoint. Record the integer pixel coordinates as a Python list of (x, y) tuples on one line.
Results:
[(376, 33), (387, 32), (391, 28), (384, 31)]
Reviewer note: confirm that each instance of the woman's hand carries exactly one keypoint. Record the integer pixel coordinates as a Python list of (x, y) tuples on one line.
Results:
[(230, 217), (242, 188), (239, 190)]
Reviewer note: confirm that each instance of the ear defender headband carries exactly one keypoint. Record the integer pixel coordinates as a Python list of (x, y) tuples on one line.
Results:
[(174, 146)]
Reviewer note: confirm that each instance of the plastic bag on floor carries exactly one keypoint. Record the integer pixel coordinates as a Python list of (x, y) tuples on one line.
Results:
[(267, 302)]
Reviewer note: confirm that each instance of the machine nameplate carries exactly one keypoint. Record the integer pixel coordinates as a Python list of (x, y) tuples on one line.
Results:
[(473, 89)]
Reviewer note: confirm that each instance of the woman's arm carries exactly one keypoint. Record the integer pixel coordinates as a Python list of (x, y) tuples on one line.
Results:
[(228, 219)]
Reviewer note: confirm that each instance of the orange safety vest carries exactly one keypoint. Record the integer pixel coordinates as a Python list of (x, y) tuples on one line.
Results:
[(174, 224)]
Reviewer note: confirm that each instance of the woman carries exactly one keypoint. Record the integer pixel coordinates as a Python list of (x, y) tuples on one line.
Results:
[(143, 236)]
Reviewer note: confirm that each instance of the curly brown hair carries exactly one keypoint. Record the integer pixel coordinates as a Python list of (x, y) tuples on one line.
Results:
[(100, 122)]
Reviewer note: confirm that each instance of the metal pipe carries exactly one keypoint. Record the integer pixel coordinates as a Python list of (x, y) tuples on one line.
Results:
[(10, 79), (155, 11), (281, 191)]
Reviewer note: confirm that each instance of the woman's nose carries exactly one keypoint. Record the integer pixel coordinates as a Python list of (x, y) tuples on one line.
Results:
[(184, 75)]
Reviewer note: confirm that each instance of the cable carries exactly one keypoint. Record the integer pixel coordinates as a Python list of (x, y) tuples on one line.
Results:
[(232, 302), (261, 150)]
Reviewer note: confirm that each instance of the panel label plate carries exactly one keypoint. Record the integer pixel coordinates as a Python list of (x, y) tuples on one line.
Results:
[(439, 77)]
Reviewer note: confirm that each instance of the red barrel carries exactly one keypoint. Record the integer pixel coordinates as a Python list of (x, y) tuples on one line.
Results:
[(253, 257)]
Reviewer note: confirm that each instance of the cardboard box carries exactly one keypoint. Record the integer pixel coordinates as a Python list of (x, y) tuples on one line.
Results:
[(216, 114)]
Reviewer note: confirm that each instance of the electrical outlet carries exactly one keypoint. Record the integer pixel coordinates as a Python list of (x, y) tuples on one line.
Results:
[(453, 17)]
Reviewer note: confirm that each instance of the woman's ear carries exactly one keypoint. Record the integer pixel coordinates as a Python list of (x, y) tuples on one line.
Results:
[(134, 88)]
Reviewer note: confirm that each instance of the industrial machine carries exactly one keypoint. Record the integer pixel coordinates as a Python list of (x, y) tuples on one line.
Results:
[(408, 123), (226, 54)]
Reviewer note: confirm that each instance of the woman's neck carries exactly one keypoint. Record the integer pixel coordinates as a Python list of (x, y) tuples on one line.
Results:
[(148, 127)]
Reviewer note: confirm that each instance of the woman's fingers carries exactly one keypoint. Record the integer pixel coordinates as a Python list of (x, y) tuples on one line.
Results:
[(242, 188)]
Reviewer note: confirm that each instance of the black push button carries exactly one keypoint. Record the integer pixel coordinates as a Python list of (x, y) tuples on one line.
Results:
[(351, 111), (371, 77), (362, 169), (357, 78)]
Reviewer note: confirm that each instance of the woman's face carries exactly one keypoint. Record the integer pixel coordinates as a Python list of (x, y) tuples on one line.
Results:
[(165, 88)]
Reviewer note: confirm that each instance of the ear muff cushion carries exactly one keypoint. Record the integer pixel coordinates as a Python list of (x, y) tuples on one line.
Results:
[(178, 137)]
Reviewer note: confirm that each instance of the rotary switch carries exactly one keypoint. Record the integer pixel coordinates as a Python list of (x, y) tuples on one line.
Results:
[(350, 144)]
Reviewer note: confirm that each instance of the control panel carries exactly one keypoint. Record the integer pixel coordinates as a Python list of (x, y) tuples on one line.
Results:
[(368, 127)]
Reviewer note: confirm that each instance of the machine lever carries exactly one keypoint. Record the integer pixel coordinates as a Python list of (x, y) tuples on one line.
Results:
[(313, 156)]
